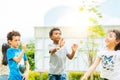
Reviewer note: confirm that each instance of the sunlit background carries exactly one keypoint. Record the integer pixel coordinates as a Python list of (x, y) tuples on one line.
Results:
[(24, 15), (33, 19)]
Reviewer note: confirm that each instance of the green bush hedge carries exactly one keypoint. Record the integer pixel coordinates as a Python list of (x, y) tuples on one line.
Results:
[(72, 75), (33, 75), (77, 75)]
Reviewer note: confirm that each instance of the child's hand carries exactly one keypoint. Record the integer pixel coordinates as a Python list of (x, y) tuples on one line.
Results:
[(25, 76), (61, 42), (83, 78), (74, 47), (23, 47)]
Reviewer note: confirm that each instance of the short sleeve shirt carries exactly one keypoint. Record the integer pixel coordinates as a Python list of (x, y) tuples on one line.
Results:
[(109, 62), (15, 73), (57, 60)]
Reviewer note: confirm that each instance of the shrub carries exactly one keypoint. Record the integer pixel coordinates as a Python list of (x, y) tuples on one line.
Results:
[(30, 50), (33, 75), (30, 54), (77, 75), (44, 76)]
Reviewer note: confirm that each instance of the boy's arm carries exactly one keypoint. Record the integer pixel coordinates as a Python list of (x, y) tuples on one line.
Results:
[(18, 59), (92, 68), (60, 45), (52, 51), (27, 66), (26, 74), (74, 48)]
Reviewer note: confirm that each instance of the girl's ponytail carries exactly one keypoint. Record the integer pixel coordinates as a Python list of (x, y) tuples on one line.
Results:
[(5, 46)]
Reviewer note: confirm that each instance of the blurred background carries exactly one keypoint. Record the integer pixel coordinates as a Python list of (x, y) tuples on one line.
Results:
[(84, 22)]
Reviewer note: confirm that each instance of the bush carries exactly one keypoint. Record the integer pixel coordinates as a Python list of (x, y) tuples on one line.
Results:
[(77, 75), (72, 75), (44, 76), (33, 75), (30, 51), (30, 54)]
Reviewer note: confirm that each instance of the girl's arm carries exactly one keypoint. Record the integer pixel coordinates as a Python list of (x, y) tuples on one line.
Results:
[(27, 70), (92, 68), (18, 59), (74, 48)]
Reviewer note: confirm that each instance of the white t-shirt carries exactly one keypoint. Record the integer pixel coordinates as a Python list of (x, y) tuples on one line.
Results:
[(110, 63), (57, 61)]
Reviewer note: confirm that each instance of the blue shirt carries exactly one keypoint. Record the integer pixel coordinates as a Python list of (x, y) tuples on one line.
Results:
[(13, 65)]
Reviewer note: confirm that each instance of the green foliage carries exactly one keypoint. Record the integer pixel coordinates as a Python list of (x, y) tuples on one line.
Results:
[(44, 76), (96, 30), (81, 8), (30, 54), (30, 50), (33, 75), (72, 75), (77, 75)]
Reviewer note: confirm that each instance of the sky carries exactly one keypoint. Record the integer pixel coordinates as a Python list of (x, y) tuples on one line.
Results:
[(110, 11), (24, 15)]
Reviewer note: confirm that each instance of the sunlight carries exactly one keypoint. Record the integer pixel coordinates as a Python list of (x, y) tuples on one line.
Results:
[(78, 20), (74, 18)]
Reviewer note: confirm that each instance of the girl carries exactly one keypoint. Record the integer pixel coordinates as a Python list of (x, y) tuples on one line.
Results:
[(16, 57), (110, 57), (5, 46)]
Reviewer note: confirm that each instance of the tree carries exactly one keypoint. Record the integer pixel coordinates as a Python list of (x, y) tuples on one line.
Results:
[(30, 50), (30, 54), (95, 31)]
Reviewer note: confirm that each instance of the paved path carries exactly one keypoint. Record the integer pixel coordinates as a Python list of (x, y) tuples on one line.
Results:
[(3, 77)]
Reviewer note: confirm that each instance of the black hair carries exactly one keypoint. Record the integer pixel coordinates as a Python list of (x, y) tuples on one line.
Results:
[(117, 33), (11, 34), (5, 46), (52, 30)]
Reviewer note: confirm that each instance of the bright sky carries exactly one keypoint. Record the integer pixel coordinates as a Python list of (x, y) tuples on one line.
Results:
[(24, 15)]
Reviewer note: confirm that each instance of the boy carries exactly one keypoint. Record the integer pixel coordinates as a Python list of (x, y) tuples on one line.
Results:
[(58, 54), (17, 59)]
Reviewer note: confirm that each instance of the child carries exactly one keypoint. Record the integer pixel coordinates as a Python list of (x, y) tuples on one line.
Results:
[(5, 46), (4, 66), (110, 58), (58, 54), (16, 57)]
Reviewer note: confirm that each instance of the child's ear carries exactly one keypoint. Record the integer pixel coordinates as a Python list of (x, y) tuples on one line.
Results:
[(51, 37), (9, 41)]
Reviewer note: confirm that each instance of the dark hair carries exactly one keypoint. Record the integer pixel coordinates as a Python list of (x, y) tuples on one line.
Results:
[(117, 33), (11, 34), (5, 46), (52, 30)]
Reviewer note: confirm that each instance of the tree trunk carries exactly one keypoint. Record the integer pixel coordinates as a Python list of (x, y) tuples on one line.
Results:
[(90, 63)]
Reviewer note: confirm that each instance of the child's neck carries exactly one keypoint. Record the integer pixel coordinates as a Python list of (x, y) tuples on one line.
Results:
[(55, 42), (111, 48)]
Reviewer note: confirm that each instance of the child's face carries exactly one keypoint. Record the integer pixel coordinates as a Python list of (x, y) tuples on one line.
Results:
[(15, 42), (56, 35), (110, 39)]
